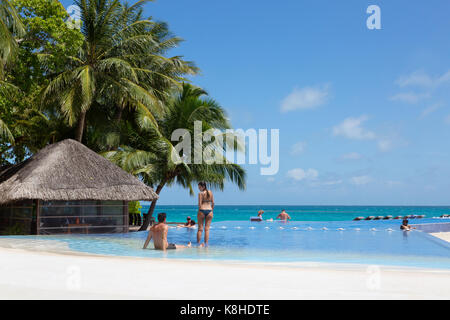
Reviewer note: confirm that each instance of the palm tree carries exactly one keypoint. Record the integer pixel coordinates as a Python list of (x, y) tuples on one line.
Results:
[(150, 154), (121, 65), (10, 26)]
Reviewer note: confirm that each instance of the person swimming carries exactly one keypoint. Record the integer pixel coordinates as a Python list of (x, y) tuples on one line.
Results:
[(283, 216), (189, 222), (205, 211), (405, 226), (159, 234)]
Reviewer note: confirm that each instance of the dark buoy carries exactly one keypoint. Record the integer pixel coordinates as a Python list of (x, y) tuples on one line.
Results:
[(358, 219), (378, 218), (387, 218), (398, 217), (369, 218)]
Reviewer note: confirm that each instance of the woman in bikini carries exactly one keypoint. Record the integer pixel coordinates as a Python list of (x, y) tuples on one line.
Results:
[(205, 211)]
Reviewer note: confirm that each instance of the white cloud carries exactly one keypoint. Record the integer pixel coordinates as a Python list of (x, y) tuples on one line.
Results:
[(298, 147), (444, 78), (422, 79), (447, 119), (299, 174), (385, 145), (331, 182), (305, 98), (360, 180), (326, 183), (351, 128), (432, 108), (351, 156), (393, 183), (409, 97), (417, 78)]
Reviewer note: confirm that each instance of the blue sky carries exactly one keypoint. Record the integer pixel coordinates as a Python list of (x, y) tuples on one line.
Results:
[(364, 115)]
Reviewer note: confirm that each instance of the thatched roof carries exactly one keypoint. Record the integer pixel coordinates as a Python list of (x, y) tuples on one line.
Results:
[(68, 170)]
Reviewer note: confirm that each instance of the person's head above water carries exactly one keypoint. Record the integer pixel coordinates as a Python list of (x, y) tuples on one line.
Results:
[(405, 222), (188, 218), (162, 217)]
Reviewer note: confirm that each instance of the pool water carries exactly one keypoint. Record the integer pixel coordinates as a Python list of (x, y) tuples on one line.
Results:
[(354, 242)]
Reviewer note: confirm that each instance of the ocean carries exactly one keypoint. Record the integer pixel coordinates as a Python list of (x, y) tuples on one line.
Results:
[(298, 213)]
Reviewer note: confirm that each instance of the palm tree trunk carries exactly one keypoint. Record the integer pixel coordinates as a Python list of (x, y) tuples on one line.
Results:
[(80, 127), (119, 113), (149, 215)]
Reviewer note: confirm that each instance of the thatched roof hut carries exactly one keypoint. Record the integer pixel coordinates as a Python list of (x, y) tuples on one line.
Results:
[(68, 170), (67, 188)]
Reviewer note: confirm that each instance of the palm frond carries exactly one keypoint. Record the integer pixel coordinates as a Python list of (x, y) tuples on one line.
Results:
[(5, 133)]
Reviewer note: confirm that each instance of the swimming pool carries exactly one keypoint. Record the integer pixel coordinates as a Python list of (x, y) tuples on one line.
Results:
[(361, 242)]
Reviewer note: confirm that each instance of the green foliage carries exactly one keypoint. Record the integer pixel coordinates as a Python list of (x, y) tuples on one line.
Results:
[(10, 28), (121, 64), (45, 34), (48, 41), (134, 207), (147, 151), (110, 85)]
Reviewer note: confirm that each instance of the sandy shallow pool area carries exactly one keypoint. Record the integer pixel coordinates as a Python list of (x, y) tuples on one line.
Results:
[(42, 275)]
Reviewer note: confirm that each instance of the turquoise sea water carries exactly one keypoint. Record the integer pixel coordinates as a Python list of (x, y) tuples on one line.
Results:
[(297, 213)]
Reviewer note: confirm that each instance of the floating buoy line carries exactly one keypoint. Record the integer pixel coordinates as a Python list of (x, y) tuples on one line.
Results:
[(412, 216), (309, 228)]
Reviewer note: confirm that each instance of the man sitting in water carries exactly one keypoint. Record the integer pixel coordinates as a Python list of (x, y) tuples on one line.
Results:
[(405, 226), (159, 234), (283, 216)]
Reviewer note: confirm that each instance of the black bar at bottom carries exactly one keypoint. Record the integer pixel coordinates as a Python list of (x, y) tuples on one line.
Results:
[(229, 309)]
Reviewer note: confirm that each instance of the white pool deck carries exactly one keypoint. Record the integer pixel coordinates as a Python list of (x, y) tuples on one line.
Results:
[(42, 275), (442, 235)]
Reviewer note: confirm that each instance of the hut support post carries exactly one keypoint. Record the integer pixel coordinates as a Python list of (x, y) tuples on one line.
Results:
[(126, 218), (38, 217)]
